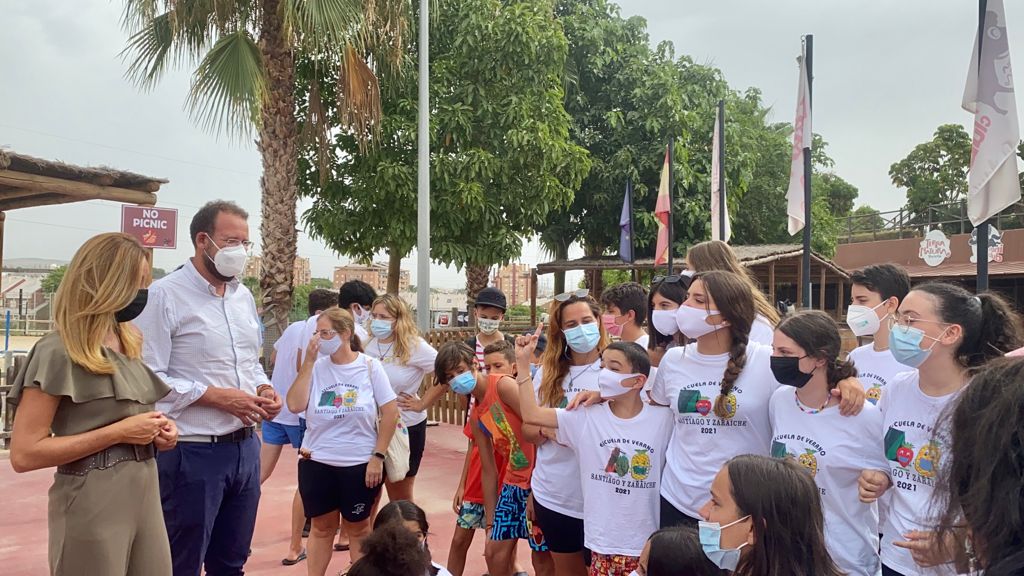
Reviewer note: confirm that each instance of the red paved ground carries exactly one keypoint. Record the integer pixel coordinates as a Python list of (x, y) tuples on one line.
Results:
[(23, 514)]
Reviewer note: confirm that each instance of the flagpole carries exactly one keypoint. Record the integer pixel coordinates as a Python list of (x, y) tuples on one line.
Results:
[(721, 171), (632, 243), (806, 263), (981, 231), (423, 175), (671, 211)]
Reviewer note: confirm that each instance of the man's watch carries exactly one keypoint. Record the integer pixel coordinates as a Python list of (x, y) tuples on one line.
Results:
[(378, 455)]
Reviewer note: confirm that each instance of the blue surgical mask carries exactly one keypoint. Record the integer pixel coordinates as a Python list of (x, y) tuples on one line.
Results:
[(905, 346), (711, 542), (381, 328), (463, 383), (583, 338)]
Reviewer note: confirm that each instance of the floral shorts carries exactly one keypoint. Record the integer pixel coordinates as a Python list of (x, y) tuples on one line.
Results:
[(613, 565), (471, 516)]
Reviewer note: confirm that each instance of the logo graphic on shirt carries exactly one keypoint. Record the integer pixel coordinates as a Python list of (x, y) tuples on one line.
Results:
[(348, 399), (808, 459), (638, 467), (928, 459), (897, 449), (329, 398), (874, 394), (517, 459), (730, 405), (693, 402)]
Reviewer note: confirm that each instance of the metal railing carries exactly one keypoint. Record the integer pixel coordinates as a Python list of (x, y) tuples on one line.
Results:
[(951, 218)]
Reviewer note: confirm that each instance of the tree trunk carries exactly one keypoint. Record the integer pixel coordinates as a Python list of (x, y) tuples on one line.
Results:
[(278, 148), (477, 278), (594, 278), (395, 271), (562, 253)]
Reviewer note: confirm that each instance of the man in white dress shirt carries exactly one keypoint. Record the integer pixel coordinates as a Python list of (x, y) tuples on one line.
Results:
[(202, 337)]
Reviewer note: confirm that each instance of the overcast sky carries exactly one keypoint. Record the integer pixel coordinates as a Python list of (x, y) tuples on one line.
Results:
[(886, 75)]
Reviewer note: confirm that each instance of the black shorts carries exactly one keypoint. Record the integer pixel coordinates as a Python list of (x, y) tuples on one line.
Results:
[(564, 534), (417, 443), (325, 488), (671, 516)]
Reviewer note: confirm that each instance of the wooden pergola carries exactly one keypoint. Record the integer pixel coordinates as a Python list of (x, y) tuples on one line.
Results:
[(773, 265), (26, 182)]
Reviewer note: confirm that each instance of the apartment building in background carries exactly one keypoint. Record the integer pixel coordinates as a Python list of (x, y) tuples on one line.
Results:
[(514, 281), (301, 272), (376, 275)]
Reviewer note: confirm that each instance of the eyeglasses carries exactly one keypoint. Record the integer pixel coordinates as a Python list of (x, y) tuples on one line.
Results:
[(326, 334), (581, 293), (232, 243), (906, 322)]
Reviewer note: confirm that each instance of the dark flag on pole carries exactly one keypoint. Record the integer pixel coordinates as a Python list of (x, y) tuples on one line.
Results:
[(626, 225)]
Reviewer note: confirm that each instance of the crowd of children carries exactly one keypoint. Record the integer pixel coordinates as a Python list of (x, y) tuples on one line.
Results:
[(720, 438)]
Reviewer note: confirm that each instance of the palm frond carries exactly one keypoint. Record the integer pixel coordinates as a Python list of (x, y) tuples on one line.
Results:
[(229, 86), (358, 96), (323, 23)]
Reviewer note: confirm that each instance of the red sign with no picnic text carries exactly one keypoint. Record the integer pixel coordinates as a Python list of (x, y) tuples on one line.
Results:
[(154, 227)]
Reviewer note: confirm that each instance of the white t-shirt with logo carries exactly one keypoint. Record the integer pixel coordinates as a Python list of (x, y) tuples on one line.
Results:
[(876, 369), (341, 417), (762, 331), (293, 341), (405, 378), (836, 449), (688, 382), (914, 450), (555, 481), (620, 466)]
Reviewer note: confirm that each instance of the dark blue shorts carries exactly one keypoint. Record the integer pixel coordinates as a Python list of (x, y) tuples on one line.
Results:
[(280, 434)]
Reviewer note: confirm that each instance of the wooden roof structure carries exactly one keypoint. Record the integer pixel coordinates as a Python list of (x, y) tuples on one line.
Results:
[(772, 264), (26, 182)]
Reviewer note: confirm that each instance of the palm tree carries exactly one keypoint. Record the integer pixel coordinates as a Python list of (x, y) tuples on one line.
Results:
[(244, 52)]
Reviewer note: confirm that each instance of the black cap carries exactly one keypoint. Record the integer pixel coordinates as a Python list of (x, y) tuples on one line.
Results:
[(492, 297)]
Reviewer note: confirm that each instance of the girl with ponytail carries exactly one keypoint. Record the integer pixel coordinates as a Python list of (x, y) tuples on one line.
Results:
[(718, 387), (808, 429), (947, 334)]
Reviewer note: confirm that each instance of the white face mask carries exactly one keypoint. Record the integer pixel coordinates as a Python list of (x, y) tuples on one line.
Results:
[(230, 261), (487, 325), (328, 347), (863, 321), (693, 321), (665, 322), (360, 314), (610, 383)]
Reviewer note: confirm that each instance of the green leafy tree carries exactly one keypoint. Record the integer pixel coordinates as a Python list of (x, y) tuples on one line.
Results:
[(838, 193), (866, 219), (52, 280), (935, 172), (321, 283), (501, 158), (244, 78)]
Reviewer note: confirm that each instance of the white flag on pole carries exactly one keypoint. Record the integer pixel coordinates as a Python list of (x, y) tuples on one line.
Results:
[(992, 181), (716, 188), (801, 140)]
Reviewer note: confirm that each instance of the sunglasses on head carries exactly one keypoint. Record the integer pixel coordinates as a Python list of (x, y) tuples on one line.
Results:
[(564, 296), (685, 277)]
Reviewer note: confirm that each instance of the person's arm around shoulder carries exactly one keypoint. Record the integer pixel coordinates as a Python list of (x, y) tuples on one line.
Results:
[(531, 412)]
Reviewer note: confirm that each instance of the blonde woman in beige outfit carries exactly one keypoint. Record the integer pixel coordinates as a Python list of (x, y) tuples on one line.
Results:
[(85, 405)]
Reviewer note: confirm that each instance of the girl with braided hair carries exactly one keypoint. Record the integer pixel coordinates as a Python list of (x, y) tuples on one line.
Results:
[(718, 387), (808, 429)]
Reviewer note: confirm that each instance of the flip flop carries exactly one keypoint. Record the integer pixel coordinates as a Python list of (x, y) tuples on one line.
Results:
[(341, 547), (299, 558)]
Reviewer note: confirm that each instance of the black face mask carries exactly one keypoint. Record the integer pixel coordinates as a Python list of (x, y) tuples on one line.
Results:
[(787, 371), (134, 308)]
